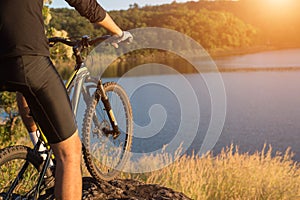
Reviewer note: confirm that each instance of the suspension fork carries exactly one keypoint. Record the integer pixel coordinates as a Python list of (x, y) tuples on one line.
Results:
[(100, 93)]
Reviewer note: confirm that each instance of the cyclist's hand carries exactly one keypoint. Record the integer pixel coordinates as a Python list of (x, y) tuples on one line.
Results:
[(126, 37)]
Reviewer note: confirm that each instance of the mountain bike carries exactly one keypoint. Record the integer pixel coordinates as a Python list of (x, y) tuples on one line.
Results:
[(106, 133)]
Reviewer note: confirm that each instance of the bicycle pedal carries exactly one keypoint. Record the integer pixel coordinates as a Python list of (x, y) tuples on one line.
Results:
[(49, 182)]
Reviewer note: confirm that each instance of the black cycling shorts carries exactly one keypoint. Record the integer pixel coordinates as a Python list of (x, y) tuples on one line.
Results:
[(37, 79)]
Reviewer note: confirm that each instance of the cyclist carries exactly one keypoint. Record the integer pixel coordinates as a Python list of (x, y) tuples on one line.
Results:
[(25, 67)]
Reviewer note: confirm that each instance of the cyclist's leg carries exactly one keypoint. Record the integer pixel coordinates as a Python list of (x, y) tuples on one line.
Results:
[(24, 112), (50, 104), (37, 79), (66, 158), (29, 123), (27, 119)]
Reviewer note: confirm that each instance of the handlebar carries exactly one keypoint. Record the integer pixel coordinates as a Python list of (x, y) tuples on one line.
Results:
[(83, 41), (78, 45)]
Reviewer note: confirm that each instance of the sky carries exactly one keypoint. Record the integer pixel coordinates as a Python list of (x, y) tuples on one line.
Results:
[(117, 4)]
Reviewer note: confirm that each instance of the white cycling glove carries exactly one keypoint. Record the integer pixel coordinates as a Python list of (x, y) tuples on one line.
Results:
[(125, 37)]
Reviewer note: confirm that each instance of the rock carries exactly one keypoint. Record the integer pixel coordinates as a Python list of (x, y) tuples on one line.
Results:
[(127, 189), (122, 190)]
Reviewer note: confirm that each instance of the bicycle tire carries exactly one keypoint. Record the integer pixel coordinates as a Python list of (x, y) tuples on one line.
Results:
[(101, 165), (11, 161)]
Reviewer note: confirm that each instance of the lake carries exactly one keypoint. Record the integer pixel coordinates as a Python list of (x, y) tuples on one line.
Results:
[(261, 107), (287, 58)]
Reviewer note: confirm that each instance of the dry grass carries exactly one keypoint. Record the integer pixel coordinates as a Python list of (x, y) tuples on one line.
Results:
[(230, 175)]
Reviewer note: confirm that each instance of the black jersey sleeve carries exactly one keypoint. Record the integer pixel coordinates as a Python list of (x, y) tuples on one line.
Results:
[(89, 9)]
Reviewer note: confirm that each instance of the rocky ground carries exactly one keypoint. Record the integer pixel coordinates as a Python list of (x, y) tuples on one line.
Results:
[(125, 190)]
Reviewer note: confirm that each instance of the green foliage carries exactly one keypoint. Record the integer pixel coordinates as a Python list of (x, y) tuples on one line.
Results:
[(11, 128), (212, 29), (70, 21), (214, 24)]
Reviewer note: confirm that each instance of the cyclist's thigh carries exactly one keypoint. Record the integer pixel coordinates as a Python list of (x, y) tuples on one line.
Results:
[(47, 98)]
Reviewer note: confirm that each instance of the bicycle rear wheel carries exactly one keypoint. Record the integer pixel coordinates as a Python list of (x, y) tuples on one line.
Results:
[(12, 160), (105, 155)]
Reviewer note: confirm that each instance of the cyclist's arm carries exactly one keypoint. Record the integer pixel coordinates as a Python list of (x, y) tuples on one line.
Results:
[(95, 14), (110, 25), (89, 9)]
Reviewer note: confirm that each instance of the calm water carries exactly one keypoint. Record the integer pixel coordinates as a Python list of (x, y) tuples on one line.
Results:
[(279, 58), (262, 107)]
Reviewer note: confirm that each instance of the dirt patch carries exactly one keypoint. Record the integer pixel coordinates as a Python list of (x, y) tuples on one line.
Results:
[(126, 189)]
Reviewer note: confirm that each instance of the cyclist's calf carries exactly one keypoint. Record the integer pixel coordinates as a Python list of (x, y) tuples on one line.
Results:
[(68, 158)]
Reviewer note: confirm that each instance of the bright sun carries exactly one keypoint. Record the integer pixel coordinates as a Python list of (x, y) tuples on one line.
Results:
[(282, 2), (279, 3)]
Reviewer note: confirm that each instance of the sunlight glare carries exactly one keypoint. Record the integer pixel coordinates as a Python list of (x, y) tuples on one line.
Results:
[(279, 3), (279, 6)]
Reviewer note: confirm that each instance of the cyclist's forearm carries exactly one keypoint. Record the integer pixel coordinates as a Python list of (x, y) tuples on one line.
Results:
[(110, 25)]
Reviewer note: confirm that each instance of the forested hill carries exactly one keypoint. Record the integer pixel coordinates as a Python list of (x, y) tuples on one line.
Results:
[(214, 24)]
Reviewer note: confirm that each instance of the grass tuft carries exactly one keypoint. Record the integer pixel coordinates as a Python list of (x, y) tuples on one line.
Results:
[(229, 175)]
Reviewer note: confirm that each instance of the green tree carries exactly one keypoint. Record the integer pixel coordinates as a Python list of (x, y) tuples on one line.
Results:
[(11, 127)]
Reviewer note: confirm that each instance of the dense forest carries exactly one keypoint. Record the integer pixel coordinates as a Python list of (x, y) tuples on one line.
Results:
[(214, 24), (222, 27)]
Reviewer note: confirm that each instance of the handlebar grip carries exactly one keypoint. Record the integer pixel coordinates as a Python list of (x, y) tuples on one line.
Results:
[(53, 40), (99, 39)]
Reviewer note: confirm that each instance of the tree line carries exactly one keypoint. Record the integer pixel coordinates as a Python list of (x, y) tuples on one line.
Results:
[(214, 24), (222, 27), (212, 29)]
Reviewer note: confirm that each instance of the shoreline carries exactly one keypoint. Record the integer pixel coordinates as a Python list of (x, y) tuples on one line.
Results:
[(220, 53), (127, 62)]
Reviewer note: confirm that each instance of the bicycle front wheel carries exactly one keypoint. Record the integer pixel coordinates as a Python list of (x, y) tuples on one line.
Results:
[(12, 161), (105, 155)]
